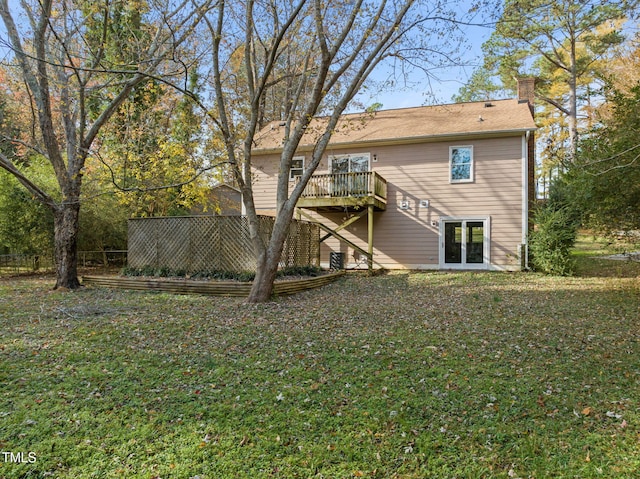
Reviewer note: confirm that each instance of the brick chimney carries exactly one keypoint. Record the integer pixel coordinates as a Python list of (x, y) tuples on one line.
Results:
[(527, 91)]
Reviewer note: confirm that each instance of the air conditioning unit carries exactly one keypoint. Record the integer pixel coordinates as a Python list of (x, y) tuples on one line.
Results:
[(336, 260)]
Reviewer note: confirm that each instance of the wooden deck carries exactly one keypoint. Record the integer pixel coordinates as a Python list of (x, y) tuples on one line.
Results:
[(340, 191), (360, 193)]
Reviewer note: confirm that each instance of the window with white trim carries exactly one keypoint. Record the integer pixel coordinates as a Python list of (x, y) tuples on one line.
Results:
[(350, 163), (460, 164), (297, 167)]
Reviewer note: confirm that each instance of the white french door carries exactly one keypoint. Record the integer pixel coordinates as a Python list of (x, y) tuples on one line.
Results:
[(464, 243)]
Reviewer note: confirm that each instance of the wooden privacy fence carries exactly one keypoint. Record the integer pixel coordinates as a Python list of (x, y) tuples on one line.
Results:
[(213, 243)]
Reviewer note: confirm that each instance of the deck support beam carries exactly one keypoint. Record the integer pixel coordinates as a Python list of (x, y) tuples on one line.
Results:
[(334, 232), (370, 238), (350, 221)]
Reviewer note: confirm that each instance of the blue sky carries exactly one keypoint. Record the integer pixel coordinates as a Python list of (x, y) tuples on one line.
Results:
[(437, 89)]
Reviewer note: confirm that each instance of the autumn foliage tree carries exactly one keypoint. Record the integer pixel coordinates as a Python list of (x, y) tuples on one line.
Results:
[(154, 153), (79, 62), (565, 45)]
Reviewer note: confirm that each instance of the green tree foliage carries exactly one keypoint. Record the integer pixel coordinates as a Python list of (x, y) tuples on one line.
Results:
[(605, 180), (552, 239), (564, 44), (480, 87), (152, 140), (155, 153), (26, 225), (103, 223), (78, 62)]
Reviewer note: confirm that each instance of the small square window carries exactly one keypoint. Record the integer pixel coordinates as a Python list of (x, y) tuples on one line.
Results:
[(297, 167), (461, 164)]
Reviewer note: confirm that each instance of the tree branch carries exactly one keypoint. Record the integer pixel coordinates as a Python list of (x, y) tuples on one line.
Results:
[(193, 178), (39, 193), (29, 146), (555, 103)]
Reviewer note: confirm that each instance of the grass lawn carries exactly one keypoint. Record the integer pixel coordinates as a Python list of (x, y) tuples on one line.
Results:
[(408, 375)]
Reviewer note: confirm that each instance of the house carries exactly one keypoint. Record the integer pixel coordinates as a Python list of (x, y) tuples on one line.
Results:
[(435, 187), (223, 199)]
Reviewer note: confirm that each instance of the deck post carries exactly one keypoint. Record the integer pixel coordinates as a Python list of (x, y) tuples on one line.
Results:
[(370, 237)]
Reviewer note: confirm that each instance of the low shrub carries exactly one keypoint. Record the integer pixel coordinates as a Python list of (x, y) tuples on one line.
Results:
[(164, 272), (552, 239), (221, 275), (144, 271), (308, 270), (224, 275)]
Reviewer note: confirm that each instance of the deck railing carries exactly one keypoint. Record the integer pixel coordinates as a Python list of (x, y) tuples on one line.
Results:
[(340, 185)]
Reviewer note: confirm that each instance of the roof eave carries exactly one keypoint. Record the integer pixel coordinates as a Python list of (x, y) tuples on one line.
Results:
[(409, 140)]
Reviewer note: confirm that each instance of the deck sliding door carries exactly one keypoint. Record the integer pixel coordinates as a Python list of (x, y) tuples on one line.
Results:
[(345, 184)]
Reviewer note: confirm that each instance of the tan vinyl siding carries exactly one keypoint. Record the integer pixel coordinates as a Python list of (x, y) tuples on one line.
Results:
[(410, 238), (265, 183)]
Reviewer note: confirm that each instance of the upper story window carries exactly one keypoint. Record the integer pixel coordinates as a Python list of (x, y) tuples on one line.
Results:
[(352, 163), (297, 167), (461, 164)]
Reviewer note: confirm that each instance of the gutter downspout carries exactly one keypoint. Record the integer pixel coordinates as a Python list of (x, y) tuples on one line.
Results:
[(525, 202)]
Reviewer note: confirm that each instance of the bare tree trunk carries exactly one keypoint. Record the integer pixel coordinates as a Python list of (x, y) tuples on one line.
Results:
[(573, 104), (66, 225), (262, 287), (330, 58), (268, 262)]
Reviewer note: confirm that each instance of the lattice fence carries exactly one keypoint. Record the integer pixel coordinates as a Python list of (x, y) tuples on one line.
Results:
[(208, 243)]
